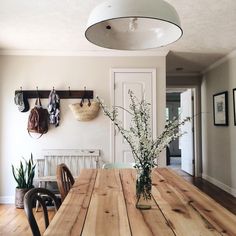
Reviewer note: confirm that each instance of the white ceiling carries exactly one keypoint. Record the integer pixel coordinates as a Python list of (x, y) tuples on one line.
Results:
[(58, 26)]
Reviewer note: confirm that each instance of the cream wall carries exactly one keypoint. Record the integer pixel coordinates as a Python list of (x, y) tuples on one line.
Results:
[(61, 72), (218, 142)]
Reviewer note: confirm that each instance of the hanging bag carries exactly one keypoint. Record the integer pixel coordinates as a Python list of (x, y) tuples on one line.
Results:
[(54, 108), (38, 119), (85, 111), (21, 101)]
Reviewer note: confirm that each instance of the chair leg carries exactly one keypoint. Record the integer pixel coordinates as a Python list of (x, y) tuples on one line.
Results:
[(37, 202), (37, 206)]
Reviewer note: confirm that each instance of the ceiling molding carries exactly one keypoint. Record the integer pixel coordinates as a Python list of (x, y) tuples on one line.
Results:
[(184, 74), (102, 53), (220, 61), (175, 90)]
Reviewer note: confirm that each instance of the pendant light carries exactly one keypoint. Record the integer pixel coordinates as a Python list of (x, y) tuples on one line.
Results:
[(133, 24)]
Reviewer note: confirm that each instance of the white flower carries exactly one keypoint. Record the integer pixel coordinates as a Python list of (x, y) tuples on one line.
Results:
[(139, 136)]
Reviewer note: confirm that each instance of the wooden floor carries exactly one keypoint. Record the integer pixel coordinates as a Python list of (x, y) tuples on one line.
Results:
[(13, 221)]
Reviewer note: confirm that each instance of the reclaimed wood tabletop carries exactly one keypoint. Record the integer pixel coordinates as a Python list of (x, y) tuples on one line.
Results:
[(102, 203)]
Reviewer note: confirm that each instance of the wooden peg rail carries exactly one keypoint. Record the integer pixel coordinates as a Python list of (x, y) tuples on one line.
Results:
[(63, 94)]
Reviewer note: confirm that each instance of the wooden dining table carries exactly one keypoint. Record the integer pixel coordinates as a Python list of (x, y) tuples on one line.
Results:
[(102, 203)]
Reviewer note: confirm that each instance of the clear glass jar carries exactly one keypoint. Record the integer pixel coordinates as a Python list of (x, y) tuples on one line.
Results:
[(144, 188)]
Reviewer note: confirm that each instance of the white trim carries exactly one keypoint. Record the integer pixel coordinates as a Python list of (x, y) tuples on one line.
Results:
[(219, 184), (99, 53), (112, 126), (220, 61), (182, 74), (112, 99), (197, 131), (7, 200)]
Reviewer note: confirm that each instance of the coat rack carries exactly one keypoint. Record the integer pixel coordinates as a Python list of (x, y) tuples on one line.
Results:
[(63, 94)]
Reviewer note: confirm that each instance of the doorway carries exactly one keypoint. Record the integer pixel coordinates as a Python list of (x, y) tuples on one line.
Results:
[(180, 152)]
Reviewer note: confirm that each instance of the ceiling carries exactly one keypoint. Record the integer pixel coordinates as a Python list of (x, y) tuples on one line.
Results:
[(58, 26)]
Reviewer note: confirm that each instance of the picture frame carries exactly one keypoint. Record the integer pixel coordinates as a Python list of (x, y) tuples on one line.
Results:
[(234, 105), (220, 109)]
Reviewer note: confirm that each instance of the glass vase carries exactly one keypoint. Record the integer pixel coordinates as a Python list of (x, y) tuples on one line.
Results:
[(143, 188)]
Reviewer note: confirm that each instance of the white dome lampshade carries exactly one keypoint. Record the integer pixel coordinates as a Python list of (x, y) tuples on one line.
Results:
[(133, 24)]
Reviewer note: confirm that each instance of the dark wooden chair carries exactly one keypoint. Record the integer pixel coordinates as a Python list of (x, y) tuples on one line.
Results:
[(65, 180), (30, 198)]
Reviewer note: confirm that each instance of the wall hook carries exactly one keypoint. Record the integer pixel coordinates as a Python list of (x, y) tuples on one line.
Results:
[(37, 92), (84, 95), (69, 90)]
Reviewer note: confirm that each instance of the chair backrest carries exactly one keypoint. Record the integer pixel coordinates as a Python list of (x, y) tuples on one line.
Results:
[(33, 195), (118, 165), (65, 180)]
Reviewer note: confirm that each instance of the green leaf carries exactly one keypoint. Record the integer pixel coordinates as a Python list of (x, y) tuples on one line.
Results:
[(24, 175)]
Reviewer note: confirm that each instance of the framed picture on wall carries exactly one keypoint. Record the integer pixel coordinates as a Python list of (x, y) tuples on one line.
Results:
[(234, 104), (220, 108)]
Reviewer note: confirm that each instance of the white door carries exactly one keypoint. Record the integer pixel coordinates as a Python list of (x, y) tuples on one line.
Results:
[(186, 141), (143, 84)]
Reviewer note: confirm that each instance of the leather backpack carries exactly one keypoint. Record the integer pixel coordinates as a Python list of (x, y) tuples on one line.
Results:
[(38, 119)]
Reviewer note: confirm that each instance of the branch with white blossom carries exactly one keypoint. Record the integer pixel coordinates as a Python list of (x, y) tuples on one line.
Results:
[(139, 136)]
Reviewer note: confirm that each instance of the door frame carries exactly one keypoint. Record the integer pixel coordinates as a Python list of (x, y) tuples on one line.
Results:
[(113, 71), (196, 126)]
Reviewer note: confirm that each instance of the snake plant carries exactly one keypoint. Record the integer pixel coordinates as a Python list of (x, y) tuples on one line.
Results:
[(24, 175)]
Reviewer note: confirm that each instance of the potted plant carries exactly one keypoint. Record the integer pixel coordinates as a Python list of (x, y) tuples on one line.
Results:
[(144, 148), (24, 176)]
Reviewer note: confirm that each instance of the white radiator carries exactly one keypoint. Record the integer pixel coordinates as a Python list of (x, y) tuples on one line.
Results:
[(75, 159)]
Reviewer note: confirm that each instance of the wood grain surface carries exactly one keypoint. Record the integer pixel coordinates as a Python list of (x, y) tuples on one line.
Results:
[(142, 222), (180, 214), (13, 222), (102, 202), (213, 213), (70, 218), (107, 212)]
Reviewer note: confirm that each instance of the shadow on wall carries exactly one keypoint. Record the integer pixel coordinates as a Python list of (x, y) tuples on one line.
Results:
[(190, 62)]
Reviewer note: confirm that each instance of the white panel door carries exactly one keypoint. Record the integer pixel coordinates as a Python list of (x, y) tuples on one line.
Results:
[(141, 83), (186, 141)]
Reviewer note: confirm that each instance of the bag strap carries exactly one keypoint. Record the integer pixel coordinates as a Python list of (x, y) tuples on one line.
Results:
[(89, 103), (82, 102), (37, 137), (38, 101)]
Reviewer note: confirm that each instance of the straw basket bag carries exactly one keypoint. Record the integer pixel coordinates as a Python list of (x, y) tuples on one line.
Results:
[(85, 111)]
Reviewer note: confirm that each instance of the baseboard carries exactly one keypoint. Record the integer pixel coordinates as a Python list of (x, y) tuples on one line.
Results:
[(7, 200), (219, 184)]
